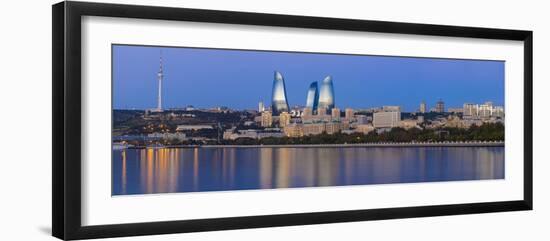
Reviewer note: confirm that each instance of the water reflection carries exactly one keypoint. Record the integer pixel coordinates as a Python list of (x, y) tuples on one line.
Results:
[(162, 170)]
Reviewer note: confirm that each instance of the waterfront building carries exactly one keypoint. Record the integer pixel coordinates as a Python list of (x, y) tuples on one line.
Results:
[(456, 122), (194, 127), (364, 128), (335, 114), (270, 134), (312, 100), (294, 130), (408, 124), (168, 136), (267, 119), (313, 128), (320, 127), (440, 106), (279, 98), (349, 114), (386, 119), (326, 94), (423, 107), (333, 127), (228, 134), (284, 119)]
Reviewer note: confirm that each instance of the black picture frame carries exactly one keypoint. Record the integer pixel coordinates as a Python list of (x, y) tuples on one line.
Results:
[(66, 75)]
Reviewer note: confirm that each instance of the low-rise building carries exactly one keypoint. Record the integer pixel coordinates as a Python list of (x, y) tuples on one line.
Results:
[(364, 128), (294, 130), (193, 127), (168, 136), (408, 124)]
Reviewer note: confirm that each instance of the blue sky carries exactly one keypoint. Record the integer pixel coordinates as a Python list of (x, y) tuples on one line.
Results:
[(240, 79)]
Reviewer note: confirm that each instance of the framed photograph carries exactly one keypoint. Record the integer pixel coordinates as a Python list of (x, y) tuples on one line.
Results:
[(169, 120)]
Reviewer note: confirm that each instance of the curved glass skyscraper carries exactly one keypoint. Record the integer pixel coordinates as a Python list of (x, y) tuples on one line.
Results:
[(278, 99), (326, 94), (312, 100)]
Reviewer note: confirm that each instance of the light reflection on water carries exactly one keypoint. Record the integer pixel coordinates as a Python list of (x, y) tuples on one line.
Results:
[(168, 170)]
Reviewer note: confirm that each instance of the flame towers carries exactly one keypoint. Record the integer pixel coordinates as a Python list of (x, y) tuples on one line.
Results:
[(326, 94), (320, 95), (312, 100), (279, 102)]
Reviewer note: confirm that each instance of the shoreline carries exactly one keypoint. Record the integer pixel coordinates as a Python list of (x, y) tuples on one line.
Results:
[(402, 144)]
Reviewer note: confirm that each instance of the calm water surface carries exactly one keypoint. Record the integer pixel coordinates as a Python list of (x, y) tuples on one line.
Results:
[(165, 170)]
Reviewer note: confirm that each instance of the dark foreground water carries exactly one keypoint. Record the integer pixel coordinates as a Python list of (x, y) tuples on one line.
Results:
[(139, 171)]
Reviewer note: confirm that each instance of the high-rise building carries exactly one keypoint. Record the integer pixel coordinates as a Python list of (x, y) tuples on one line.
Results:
[(386, 119), (422, 107), (440, 106), (349, 114), (485, 110), (335, 113), (267, 119), (312, 100), (261, 107), (326, 94), (160, 76), (469, 109), (279, 98), (284, 119)]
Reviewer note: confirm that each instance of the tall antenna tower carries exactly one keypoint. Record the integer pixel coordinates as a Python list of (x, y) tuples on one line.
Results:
[(160, 75)]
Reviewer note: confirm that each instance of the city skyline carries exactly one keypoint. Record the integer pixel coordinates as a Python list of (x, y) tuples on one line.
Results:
[(208, 78)]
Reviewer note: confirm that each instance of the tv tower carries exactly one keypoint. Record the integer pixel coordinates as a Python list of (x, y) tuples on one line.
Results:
[(159, 77)]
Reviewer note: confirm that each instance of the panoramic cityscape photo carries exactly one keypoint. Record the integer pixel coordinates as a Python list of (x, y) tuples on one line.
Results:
[(202, 119)]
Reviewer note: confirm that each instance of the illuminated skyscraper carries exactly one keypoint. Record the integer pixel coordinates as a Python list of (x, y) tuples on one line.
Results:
[(312, 96), (326, 94), (279, 102)]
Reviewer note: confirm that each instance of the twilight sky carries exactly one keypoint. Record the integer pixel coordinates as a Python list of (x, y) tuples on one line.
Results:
[(240, 79)]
